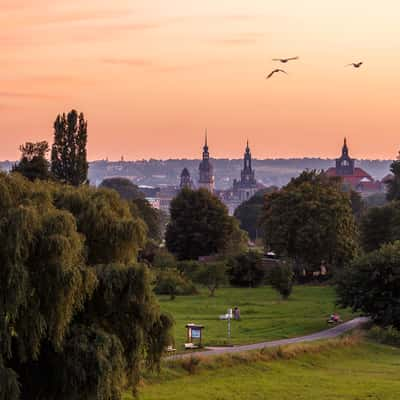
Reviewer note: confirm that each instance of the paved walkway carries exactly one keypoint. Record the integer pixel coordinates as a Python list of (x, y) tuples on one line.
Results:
[(326, 334)]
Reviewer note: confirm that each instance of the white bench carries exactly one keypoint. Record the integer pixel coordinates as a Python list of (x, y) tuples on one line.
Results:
[(190, 346)]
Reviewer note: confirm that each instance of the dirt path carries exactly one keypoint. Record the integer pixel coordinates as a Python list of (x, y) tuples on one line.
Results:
[(326, 334)]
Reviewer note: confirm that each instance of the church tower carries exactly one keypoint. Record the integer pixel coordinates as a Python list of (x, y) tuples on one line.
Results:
[(206, 170), (247, 177), (344, 164), (247, 186)]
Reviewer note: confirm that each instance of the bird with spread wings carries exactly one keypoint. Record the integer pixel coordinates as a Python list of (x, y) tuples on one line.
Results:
[(355, 65), (285, 60), (275, 71)]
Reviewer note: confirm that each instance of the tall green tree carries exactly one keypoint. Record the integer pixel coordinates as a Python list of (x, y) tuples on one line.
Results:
[(311, 221), (393, 185), (78, 317), (33, 163), (68, 155), (199, 225), (372, 285)]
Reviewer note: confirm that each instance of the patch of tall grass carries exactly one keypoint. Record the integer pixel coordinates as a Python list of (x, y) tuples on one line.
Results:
[(390, 335), (198, 363)]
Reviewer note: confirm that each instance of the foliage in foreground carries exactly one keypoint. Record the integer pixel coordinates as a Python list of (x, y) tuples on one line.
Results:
[(78, 316), (372, 285)]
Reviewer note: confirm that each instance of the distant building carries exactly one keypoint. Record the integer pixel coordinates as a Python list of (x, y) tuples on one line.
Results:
[(186, 180), (247, 186), (354, 177), (206, 170)]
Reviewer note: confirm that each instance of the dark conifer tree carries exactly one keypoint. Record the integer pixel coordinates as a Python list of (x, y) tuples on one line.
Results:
[(68, 156)]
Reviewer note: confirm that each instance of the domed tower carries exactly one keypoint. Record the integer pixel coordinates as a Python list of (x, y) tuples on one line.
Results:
[(206, 170), (186, 180)]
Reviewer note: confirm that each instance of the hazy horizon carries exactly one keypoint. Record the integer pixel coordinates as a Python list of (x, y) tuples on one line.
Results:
[(151, 75)]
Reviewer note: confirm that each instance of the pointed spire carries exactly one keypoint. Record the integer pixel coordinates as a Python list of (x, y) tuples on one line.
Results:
[(345, 142), (205, 142), (247, 146)]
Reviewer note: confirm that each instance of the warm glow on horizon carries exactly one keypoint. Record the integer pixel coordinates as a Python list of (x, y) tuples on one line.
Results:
[(151, 75)]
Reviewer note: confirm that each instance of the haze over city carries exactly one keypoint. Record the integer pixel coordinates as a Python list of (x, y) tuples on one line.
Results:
[(151, 75)]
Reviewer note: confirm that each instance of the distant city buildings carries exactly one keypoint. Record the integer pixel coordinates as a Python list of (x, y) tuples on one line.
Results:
[(353, 177), (156, 178)]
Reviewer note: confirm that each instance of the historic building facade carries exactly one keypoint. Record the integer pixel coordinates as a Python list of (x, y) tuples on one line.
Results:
[(206, 170), (354, 177), (247, 186)]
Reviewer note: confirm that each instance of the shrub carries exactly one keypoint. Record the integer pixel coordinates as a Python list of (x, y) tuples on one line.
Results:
[(212, 275), (246, 270), (189, 268), (171, 282), (281, 278), (388, 335), (372, 285)]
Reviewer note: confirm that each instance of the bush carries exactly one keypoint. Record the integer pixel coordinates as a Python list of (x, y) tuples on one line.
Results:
[(372, 285), (388, 335), (164, 259), (246, 270), (212, 275), (171, 282), (189, 268), (281, 279)]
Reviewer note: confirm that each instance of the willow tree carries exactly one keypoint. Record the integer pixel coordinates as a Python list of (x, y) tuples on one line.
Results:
[(73, 324)]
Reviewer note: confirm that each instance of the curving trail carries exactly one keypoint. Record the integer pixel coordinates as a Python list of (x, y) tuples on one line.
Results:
[(326, 334)]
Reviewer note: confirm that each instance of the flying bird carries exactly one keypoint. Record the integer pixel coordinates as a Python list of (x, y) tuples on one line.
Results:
[(355, 65), (285, 60), (275, 71)]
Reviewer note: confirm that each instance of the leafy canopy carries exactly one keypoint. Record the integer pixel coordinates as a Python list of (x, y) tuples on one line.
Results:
[(310, 220), (73, 302), (200, 225)]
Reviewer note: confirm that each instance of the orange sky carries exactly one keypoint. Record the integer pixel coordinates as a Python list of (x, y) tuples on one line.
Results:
[(150, 75)]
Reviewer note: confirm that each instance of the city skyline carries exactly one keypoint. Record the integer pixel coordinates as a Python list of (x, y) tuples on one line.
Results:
[(151, 78)]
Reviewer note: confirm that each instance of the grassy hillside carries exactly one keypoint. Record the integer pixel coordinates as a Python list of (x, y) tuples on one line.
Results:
[(264, 315), (352, 371)]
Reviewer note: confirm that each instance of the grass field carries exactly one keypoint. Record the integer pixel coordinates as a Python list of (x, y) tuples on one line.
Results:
[(264, 315), (363, 371)]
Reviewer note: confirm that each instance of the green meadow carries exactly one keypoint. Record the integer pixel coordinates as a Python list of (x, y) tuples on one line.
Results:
[(264, 316), (359, 371)]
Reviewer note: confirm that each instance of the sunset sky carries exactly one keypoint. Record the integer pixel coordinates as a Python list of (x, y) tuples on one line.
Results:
[(151, 75)]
